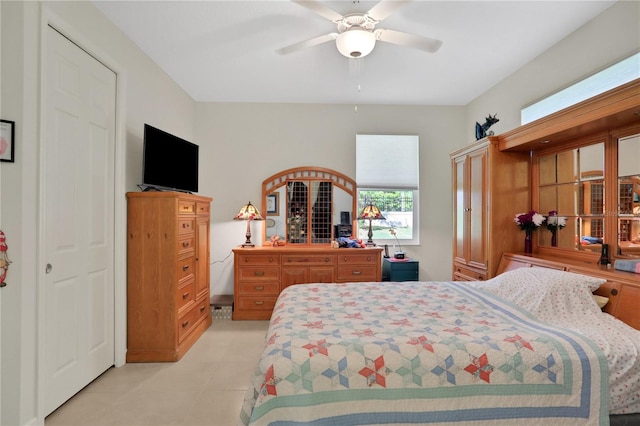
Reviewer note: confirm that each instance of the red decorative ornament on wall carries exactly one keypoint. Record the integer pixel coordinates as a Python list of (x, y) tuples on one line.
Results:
[(4, 259)]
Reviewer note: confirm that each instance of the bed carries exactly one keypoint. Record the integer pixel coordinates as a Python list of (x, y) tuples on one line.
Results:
[(443, 352)]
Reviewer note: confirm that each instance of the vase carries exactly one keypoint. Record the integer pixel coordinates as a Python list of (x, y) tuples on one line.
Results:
[(554, 240), (528, 241)]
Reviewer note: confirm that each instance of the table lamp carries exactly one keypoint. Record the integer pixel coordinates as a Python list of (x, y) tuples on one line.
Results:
[(371, 212), (248, 212)]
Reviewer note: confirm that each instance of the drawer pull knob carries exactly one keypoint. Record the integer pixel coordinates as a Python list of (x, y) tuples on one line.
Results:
[(369, 259), (258, 288), (258, 273), (202, 308), (185, 268), (184, 324), (614, 291), (259, 302), (356, 272), (185, 295), (185, 244), (271, 259), (326, 259)]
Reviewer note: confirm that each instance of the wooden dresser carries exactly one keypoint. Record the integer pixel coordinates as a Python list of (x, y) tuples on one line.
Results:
[(167, 274), (261, 273)]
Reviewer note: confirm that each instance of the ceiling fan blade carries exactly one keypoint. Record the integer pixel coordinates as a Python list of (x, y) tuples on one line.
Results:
[(307, 43), (320, 9), (385, 8), (427, 44)]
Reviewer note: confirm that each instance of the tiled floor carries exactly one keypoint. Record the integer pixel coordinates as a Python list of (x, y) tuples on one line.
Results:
[(206, 387)]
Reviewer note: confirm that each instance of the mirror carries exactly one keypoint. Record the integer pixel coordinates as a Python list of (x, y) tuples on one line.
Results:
[(571, 192), (629, 196), (306, 206)]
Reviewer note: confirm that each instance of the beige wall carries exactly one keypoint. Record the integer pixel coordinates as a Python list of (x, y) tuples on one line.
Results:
[(241, 145), (607, 39)]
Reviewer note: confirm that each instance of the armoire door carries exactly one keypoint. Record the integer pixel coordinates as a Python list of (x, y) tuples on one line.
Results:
[(78, 216), (460, 209), (477, 242)]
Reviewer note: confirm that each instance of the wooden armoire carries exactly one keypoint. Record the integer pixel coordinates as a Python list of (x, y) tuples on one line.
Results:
[(490, 187)]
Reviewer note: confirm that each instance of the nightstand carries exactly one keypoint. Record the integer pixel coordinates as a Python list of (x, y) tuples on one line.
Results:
[(399, 269)]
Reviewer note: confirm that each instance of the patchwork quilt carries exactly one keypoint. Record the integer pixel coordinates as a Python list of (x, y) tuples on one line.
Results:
[(420, 353)]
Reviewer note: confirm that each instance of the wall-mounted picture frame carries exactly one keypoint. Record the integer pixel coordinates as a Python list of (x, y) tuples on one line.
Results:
[(7, 141), (273, 204)]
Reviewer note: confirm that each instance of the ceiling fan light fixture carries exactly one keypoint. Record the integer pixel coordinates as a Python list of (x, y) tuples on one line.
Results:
[(356, 43)]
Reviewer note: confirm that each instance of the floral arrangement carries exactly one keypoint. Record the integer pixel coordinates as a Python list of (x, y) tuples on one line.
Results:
[(393, 232), (398, 254), (529, 221), (554, 221)]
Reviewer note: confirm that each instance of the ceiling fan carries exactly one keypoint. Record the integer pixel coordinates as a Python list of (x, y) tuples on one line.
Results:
[(357, 33)]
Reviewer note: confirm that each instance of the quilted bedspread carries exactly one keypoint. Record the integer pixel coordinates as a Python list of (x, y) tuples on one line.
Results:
[(420, 353)]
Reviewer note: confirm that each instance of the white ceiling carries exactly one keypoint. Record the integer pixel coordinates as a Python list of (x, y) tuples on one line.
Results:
[(224, 51)]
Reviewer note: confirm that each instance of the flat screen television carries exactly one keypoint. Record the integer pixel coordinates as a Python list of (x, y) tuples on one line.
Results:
[(169, 162)]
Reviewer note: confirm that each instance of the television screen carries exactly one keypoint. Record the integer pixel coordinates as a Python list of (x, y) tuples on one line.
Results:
[(169, 161)]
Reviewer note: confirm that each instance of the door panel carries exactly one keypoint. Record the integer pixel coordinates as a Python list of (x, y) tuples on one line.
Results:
[(78, 154)]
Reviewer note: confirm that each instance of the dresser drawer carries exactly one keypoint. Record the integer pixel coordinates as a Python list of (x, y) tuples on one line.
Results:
[(202, 308), (257, 303), (186, 323), (465, 274), (258, 259), (202, 208), (186, 266), (308, 259), (186, 244), (348, 273), (358, 258), (193, 317), (258, 273), (185, 226), (255, 289), (186, 207), (185, 296)]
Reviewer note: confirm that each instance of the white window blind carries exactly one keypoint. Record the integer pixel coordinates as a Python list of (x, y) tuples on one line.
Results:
[(616, 75), (387, 161)]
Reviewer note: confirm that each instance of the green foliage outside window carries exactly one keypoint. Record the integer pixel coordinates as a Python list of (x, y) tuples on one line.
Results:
[(392, 204)]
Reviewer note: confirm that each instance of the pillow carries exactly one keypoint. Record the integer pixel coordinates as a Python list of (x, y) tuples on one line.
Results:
[(551, 276), (545, 292), (600, 300)]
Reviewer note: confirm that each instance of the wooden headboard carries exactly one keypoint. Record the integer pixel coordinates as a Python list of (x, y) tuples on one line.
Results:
[(622, 288)]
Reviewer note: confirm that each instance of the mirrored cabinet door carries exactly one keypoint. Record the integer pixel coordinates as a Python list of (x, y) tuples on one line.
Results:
[(571, 196), (629, 196)]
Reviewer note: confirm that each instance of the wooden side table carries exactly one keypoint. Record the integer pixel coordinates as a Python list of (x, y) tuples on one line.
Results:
[(399, 269)]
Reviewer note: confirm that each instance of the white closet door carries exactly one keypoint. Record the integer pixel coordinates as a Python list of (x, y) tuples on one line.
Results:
[(78, 155)]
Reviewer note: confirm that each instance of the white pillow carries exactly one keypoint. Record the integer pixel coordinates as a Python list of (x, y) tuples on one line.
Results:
[(545, 292), (600, 300), (557, 277)]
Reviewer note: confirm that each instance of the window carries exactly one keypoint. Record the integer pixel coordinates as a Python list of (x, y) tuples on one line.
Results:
[(616, 75), (387, 175)]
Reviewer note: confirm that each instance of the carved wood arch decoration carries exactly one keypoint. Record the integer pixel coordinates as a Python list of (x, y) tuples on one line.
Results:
[(272, 184)]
